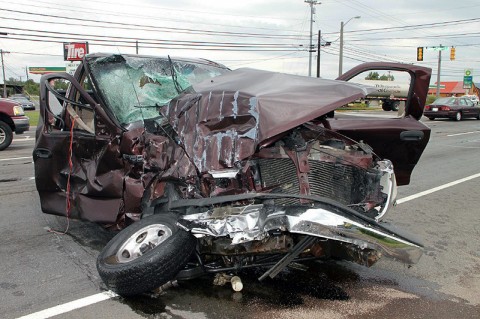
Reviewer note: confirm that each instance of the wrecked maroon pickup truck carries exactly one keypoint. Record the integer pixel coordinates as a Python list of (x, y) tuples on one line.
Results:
[(215, 171)]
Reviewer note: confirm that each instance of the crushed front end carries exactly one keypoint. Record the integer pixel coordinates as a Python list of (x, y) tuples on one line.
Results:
[(266, 179), (309, 182)]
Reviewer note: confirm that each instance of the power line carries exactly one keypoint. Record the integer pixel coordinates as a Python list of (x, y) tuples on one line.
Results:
[(132, 44), (408, 27), (163, 9), (153, 28), (452, 35), (145, 40)]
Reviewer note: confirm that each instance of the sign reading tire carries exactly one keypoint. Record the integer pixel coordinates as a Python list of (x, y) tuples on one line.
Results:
[(74, 51)]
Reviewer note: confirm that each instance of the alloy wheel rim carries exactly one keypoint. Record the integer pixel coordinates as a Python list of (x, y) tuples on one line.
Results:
[(142, 241), (3, 136)]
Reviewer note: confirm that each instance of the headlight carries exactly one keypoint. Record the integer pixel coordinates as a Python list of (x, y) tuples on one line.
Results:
[(389, 187), (18, 110)]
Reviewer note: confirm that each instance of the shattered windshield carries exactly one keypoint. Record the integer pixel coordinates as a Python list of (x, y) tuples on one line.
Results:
[(134, 87)]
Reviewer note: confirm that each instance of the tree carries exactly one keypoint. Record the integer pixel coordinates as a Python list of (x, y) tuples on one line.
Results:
[(386, 77), (60, 85), (373, 76), (31, 88)]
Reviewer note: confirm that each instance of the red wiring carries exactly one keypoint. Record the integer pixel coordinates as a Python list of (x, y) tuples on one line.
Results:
[(68, 203)]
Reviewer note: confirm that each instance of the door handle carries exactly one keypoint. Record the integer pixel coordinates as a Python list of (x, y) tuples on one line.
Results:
[(42, 153), (411, 135)]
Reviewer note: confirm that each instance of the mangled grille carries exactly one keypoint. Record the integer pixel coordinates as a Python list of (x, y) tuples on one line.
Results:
[(281, 175), (343, 183)]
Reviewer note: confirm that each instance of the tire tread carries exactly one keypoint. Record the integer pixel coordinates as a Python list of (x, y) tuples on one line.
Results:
[(149, 271)]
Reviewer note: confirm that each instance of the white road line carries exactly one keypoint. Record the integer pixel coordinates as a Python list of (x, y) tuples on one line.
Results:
[(69, 306), (458, 134), (14, 158), (87, 301), (436, 189), (28, 139)]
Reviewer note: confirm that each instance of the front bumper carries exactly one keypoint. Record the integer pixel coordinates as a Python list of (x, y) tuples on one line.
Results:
[(28, 106), (254, 222), (22, 124)]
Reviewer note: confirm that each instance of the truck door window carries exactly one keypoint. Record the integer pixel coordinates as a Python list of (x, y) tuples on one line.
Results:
[(86, 119), (73, 105), (391, 94)]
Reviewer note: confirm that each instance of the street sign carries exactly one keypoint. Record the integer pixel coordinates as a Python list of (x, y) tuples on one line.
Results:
[(440, 48), (71, 67), (467, 82)]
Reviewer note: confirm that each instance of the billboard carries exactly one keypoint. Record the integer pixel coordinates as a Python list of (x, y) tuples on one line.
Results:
[(74, 51), (45, 69)]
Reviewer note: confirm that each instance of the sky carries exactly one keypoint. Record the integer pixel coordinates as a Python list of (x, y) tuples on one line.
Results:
[(268, 35)]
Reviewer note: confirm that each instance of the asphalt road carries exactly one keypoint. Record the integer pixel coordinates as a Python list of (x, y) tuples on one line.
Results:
[(40, 270)]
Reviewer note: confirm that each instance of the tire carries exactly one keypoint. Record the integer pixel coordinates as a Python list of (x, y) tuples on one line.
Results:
[(458, 116), (130, 267), (6, 135), (395, 106), (386, 106), (431, 118)]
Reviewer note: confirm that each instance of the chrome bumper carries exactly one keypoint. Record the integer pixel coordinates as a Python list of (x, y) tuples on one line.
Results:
[(249, 223)]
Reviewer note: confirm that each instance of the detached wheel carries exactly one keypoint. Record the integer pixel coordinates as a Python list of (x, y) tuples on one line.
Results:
[(6, 135), (458, 116), (145, 255)]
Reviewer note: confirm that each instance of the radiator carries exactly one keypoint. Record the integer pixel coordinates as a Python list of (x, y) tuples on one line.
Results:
[(343, 183)]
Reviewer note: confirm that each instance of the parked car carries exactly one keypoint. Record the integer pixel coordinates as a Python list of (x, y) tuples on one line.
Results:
[(473, 98), (12, 119), (209, 170), (26, 96), (23, 101), (456, 108)]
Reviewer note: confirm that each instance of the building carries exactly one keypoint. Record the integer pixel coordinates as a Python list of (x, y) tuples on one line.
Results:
[(449, 89)]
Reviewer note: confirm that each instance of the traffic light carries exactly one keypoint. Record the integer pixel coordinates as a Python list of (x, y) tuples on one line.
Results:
[(452, 53), (420, 54)]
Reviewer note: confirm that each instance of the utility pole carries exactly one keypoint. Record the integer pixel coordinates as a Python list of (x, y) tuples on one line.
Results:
[(319, 46), (26, 72), (136, 47), (3, 70), (438, 72), (310, 47), (318, 52), (439, 49), (340, 58)]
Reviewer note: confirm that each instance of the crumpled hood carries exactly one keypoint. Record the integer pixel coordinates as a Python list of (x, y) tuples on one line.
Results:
[(231, 114)]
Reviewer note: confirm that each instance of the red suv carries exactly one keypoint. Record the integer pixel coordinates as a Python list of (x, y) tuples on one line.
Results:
[(219, 170), (12, 119)]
